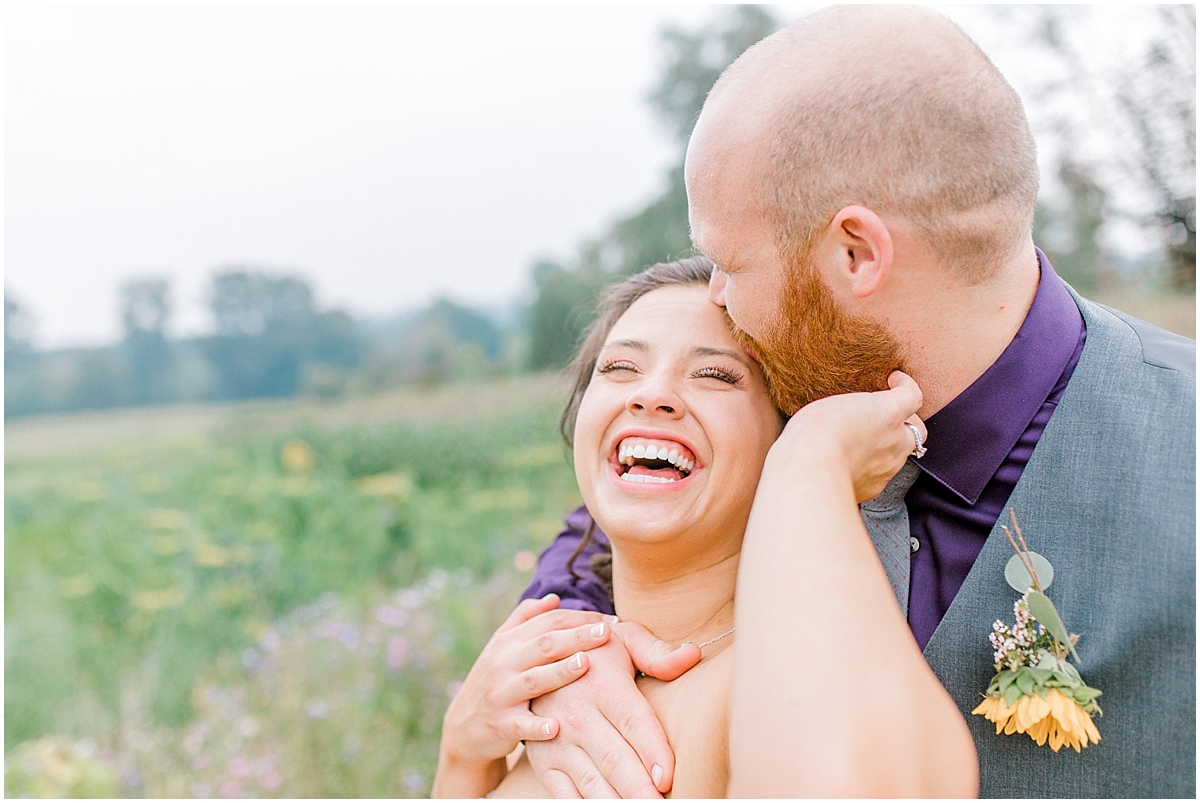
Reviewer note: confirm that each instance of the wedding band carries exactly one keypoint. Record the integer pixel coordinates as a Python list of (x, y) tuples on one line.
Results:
[(919, 450)]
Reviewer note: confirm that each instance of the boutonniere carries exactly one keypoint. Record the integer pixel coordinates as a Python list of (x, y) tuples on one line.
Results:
[(1036, 690)]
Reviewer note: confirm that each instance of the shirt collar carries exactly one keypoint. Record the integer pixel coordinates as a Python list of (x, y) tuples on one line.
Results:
[(972, 435)]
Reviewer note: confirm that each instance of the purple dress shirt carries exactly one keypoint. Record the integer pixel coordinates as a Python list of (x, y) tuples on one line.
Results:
[(979, 444)]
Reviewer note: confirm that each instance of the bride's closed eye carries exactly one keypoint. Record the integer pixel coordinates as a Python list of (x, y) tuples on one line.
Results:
[(617, 364), (722, 373)]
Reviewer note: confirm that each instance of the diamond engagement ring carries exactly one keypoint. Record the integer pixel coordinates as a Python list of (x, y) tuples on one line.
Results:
[(919, 450)]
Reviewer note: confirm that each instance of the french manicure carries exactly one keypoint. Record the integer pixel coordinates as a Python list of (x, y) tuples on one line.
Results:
[(598, 630), (576, 662), (611, 618), (546, 728), (656, 773)]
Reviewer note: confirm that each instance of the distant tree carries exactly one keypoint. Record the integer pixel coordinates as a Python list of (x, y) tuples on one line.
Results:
[(1070, 234), (18, 329), (558, 314), (145, 313), (566, 296), (267, 331), (24, 388), (336, 340), (1124, 123), (453, 341), (100, 381), (696, 59)]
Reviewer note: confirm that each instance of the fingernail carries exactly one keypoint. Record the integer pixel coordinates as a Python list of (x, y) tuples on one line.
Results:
[(611, 618), (598, 630), (545, 728), (548, 596), (576, 662), (656, 774)]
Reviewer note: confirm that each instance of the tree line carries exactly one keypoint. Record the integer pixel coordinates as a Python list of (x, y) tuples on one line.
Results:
[(269, 341), (1130, 159)]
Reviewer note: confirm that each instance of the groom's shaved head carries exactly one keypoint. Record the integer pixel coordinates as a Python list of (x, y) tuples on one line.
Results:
[(890, 107)]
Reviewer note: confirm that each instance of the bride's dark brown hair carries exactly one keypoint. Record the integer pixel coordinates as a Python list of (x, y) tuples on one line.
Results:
[(615, 301)]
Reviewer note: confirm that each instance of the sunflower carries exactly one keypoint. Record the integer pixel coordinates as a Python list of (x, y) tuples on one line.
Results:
[(1055, 717)]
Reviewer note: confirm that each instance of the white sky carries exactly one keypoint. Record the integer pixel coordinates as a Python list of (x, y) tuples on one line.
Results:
[(386, 153)]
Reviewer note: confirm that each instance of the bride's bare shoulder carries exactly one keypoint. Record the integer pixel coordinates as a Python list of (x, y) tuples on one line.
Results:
[(694, 711)]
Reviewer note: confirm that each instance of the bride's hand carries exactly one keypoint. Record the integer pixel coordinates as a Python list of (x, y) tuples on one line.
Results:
[(538, 649), (867, 433)]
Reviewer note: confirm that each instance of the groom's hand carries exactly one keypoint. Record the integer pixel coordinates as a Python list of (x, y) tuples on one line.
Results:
[(610, 742)]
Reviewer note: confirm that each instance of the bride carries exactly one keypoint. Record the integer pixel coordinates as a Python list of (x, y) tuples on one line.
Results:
[(671, 424)]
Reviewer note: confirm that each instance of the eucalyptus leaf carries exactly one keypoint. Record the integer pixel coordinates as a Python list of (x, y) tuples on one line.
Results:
[(1043, 611), (1040, 676), (1018, 577), (1025, 682), (1010, 696), (1006, 679)]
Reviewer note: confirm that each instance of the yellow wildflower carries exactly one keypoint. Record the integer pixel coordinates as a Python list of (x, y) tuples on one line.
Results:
[(297, 456), (1055, 718)]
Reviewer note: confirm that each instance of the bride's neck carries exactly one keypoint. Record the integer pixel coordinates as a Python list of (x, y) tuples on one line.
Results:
[(689, 599)]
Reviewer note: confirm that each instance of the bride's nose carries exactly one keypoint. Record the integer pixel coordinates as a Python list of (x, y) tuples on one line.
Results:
[(655, 395)]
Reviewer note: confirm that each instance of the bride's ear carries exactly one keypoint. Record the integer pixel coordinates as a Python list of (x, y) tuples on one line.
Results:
[(864, 249)]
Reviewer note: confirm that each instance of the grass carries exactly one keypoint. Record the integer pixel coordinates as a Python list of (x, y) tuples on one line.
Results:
[(273, 600), (1175, 312)]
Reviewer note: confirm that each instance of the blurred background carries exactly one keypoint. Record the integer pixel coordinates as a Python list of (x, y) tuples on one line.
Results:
[(286, 291)]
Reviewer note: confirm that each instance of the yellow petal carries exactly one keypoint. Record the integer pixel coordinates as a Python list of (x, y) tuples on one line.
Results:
[(1056, 736), (1030, 710), (986, 708), (1040, 731), (1060, 707)]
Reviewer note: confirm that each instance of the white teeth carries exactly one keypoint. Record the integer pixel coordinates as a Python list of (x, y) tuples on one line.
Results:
[(645, 478), (627, 454)]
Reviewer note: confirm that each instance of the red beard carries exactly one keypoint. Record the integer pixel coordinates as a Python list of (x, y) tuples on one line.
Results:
[(814, 349)]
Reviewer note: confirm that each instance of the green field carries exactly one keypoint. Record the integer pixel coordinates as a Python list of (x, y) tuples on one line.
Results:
[(264, 599)]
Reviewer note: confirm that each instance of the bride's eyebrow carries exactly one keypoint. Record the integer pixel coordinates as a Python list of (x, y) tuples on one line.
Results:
[(709, 351), (639, 345)]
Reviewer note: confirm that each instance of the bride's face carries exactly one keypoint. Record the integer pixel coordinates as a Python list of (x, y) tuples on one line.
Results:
[(673, 430)]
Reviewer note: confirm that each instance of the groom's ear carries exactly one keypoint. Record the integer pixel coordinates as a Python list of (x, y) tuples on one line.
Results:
[(864, 247)]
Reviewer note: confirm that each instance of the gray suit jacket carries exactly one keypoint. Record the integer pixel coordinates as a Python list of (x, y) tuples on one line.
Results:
[(1109, 498)]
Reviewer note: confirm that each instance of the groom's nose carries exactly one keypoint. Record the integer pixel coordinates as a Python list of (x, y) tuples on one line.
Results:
[(716, 287)]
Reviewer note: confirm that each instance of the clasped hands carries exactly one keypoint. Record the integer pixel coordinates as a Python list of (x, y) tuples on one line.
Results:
[(538, 650)]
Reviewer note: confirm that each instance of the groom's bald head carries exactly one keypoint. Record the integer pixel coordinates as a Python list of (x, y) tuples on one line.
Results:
[(889, 107)]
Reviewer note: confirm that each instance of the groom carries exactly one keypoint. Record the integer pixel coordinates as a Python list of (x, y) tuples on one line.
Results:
[(865, 181)]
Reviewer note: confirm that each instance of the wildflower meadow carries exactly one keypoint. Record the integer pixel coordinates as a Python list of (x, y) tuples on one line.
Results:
[(271, 600)]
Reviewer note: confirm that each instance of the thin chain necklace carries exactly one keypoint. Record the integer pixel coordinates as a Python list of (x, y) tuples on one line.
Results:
[(728, 632)]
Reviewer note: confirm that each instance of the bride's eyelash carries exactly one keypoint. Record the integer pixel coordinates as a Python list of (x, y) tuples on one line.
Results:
[(718, 372), (615, 365)]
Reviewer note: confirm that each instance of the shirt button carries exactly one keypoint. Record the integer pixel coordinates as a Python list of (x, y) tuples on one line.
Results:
[(913, 544)]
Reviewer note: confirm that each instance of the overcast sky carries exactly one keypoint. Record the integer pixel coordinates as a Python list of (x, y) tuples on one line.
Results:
[(387, 153)]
